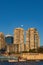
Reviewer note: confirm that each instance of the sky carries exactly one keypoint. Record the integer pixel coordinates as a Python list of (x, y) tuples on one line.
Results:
[(21, 13)]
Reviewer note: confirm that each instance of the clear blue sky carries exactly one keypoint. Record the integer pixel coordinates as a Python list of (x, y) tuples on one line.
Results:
[(14, 13)]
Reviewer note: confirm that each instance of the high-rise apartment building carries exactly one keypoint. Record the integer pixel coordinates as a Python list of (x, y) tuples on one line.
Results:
[(2, 41), (19, 39), (32, 39), (37, 40)]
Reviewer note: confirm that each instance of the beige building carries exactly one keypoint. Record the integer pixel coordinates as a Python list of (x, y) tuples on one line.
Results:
[(37, 40), (19, 39), (2, 40), (32, 39), (10, 48)]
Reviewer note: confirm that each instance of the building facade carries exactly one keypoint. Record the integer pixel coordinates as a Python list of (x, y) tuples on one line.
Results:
[(2, 41), (10, 48), (19, 39), (32, 39), (9, 39)]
